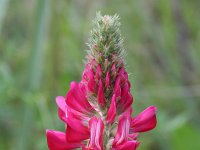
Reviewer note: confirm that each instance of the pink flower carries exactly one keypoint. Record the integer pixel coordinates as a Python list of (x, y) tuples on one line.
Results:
[(97, 110)]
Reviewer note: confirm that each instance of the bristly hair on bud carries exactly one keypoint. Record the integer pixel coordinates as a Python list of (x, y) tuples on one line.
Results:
[(105, 41), (97, 110)]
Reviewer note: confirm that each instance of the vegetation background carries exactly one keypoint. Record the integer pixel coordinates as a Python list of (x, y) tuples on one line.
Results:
[(42, 45)]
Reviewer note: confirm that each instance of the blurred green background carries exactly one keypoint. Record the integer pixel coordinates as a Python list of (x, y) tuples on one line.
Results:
[(42, 48)]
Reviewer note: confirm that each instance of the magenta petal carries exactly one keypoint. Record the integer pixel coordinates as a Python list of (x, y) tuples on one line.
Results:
[(96, 133), (112, 111), (88, 148), (76, 131), (71, 113), (56, 141), (85, 148), (77, 125), (98, 72), (85, 77), (126, 102), (123, 73), (76, 98), (91, 82), (107, 79), (129, 145), (74, 135), (117, 88), (62, 108), (101, 98), (144, 121), (126, 99), (122, 130), (88, 78), (128, 112)]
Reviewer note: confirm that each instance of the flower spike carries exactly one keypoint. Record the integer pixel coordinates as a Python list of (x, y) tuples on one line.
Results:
[(97, 110)]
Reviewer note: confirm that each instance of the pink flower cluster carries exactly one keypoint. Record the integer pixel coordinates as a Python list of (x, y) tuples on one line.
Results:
[(97, 112)]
